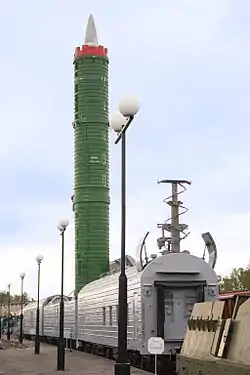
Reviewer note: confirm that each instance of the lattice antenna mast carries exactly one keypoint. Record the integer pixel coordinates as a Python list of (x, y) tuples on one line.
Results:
[(178, 232)]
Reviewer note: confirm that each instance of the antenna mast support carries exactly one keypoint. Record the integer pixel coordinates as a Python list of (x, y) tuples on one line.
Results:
[(174, 228)]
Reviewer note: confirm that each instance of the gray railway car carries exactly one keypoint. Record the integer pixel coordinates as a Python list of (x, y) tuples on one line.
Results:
[(51, 319), (49, 316), (160, 300)]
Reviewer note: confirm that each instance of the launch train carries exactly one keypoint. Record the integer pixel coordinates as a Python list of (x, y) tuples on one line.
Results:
[(161, 296)]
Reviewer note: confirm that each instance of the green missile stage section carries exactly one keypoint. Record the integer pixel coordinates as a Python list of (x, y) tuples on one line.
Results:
[(91, 159)]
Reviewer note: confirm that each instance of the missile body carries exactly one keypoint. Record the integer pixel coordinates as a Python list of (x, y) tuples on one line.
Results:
[(91, 159)]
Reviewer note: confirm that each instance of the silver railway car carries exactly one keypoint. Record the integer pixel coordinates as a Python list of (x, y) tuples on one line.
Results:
[(49, 317), (29, 321), (160, 301)]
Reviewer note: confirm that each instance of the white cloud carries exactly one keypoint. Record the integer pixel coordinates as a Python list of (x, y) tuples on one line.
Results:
[(38, 236), (174, 39), (180, 21)]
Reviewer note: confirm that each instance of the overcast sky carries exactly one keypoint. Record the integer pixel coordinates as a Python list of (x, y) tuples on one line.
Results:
[(188, 63)]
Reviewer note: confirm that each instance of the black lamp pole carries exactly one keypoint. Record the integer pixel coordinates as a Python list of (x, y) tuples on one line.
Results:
[(8, 323), (122, 365), (61, 342), (1, 315), (37, 337), (1, 320), (22, 276)]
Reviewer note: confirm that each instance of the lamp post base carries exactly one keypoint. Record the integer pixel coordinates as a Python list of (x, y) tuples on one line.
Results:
[(122, 369), (61, 355), (37, 345)]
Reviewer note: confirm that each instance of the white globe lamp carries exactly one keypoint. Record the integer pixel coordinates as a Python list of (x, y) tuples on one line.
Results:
[(63, 224), (117, 121), (39, 258), (129, 106)]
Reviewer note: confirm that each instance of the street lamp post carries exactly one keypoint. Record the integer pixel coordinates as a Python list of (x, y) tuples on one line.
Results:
[(8, 322), (61, 344), (120, 121), (39, 259), (22, 276), (1, 315)]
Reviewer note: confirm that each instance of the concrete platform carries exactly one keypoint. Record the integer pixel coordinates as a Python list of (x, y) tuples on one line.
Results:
[(23, 361)]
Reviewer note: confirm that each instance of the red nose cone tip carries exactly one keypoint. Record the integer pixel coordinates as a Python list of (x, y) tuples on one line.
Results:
[(91, 46)]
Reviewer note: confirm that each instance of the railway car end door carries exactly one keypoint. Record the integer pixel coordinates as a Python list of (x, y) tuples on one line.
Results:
[(174, 307)]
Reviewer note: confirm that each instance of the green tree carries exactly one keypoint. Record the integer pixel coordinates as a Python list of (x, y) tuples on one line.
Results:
[(239, 279), (14, 298)]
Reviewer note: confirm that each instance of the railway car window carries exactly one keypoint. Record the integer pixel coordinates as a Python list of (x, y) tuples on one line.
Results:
[(116, 315), (110, 316), (104, 316)]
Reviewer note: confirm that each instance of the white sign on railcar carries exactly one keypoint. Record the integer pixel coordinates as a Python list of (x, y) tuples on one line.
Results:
[(156, 345)]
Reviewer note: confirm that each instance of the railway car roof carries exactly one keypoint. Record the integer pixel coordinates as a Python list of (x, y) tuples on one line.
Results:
[(234, 293)]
